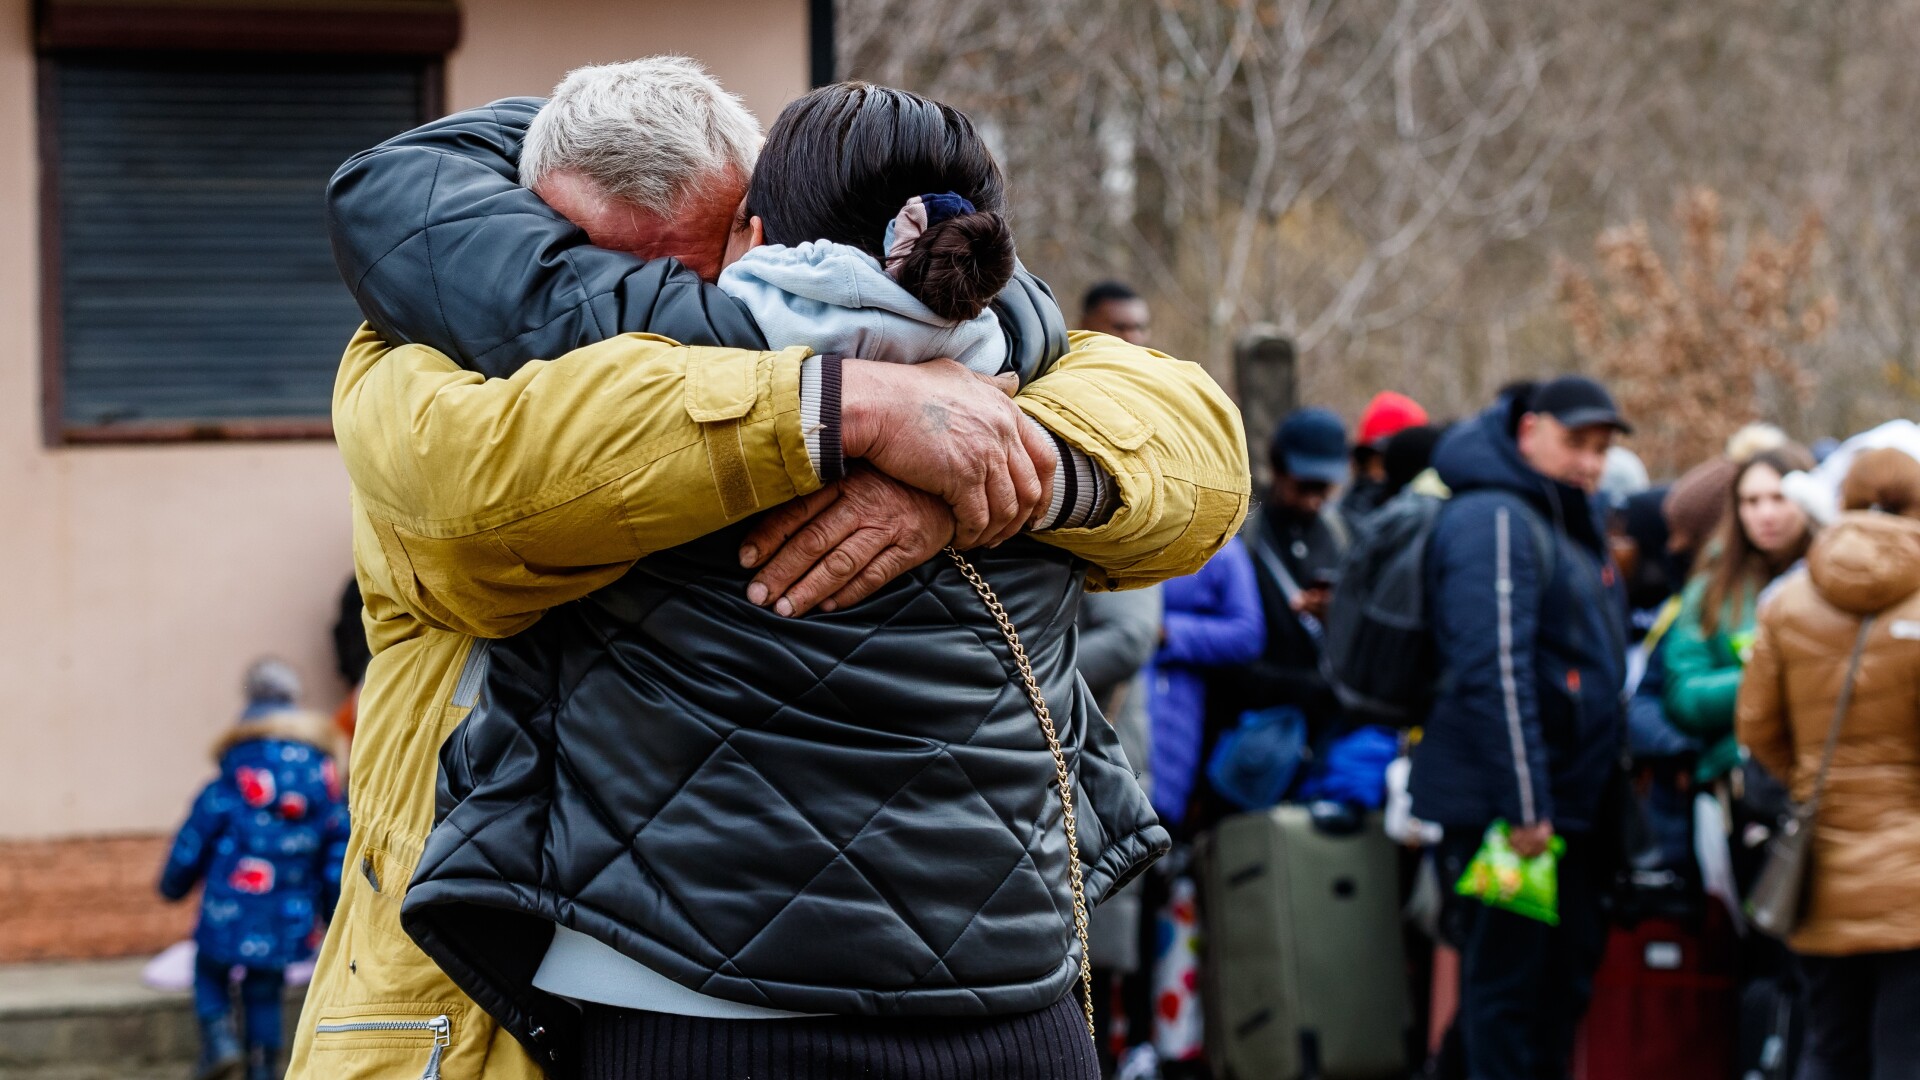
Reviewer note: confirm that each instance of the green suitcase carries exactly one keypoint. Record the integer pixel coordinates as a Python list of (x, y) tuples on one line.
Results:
[(1306, 973)]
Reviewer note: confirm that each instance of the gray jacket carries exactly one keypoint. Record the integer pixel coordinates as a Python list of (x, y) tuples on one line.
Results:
[(1119, 632)]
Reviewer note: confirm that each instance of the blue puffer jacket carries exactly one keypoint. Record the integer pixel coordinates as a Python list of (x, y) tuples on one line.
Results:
[(1527, 725), (268, 836), (1212, 619)]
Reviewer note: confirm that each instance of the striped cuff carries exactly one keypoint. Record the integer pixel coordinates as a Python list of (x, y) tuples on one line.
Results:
[(820, 416), (1084, 495)]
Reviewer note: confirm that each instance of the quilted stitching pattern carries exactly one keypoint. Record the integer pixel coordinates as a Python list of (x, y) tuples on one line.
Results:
[(851, 813)]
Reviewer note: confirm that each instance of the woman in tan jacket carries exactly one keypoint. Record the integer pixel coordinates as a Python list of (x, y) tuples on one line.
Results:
[(1859, 943)]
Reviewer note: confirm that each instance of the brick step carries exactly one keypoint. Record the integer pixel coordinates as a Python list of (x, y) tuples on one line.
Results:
[(90, 1020)]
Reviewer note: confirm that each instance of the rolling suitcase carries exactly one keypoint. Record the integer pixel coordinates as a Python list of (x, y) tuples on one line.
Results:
[(1307, 974), (1664, 1006)]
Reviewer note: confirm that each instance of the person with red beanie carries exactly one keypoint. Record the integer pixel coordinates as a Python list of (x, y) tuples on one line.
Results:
[(1385, 416)]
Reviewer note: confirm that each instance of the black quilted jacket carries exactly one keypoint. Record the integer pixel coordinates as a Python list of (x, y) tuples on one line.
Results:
[(850, 813), (853, 813)]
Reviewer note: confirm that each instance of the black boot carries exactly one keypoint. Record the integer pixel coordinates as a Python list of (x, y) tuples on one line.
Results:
[(219, 1050), (263, 1063)]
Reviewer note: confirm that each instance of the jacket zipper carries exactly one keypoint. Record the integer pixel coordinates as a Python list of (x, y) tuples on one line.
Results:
[(441, 1026)]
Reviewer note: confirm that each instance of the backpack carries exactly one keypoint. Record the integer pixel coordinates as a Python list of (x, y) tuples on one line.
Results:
[(1253, 765), (1378, 652)]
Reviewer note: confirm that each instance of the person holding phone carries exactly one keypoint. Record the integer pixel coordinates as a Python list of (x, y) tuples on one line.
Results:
[(1296, 539)]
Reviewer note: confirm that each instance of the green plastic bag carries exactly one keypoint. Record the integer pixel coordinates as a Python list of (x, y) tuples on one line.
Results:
[(1499, 877)]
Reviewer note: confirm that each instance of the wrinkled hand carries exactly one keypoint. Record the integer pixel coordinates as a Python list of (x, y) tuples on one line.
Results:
[(840, 544), (945, 430), (1531, 840)]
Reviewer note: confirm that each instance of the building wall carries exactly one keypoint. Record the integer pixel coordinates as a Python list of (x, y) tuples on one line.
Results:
[(141, 579)]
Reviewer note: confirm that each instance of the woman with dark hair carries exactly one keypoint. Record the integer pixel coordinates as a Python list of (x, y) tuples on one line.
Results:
[(874, 224), (683, 835), (1761, 537)]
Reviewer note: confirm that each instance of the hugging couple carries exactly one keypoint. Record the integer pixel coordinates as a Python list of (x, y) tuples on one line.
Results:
[(721, 511)]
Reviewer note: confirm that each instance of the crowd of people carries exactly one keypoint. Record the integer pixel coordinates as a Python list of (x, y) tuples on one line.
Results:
[(1641, 676)]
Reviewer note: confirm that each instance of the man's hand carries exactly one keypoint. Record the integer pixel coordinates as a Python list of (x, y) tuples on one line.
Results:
[(945, 430), (1316, 602), (840, 544), (1530, 841)]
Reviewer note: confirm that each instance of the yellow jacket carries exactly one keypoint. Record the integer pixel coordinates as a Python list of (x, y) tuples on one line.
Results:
[(479, 504)]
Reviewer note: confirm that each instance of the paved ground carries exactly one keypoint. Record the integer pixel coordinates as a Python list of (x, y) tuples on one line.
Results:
[(92, 1020), (65, 988)]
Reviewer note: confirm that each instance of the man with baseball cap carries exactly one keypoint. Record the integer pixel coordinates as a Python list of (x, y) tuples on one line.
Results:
[(1529, 624), (1309, 459)]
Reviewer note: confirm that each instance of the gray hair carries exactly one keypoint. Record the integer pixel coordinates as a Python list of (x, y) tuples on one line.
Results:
[(645, 132)]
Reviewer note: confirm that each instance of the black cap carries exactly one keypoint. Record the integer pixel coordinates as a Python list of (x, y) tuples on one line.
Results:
[(1311, 444), (1577, 401)]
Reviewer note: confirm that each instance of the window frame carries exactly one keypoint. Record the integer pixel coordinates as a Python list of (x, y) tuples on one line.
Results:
[(114, 34)]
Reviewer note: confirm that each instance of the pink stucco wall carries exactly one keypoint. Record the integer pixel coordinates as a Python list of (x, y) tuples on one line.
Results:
[(140, 580)]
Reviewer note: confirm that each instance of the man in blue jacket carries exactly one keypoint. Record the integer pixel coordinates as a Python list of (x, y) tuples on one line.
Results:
[(1529, 622)]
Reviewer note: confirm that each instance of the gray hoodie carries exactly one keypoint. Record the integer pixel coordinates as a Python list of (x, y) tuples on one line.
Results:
[(838, 299)]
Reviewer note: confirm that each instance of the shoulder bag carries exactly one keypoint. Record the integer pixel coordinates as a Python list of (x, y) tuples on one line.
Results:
[(1061, 776), (1779, 896)]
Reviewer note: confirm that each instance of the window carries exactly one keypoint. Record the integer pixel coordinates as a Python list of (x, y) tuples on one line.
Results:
[(189, 289)]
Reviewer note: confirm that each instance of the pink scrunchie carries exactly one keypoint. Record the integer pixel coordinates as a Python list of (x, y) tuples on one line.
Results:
[(920, 213), (904, 232)]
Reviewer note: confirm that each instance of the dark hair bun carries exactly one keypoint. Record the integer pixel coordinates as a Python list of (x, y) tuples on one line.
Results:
[(960, 265)]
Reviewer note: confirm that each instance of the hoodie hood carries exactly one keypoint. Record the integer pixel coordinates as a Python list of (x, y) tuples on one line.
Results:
[(284, 725), (1866, 562), (835, 298), (1480, 454)]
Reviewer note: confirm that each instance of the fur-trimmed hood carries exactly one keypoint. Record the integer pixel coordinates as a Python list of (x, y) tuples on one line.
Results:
[(288, 725)]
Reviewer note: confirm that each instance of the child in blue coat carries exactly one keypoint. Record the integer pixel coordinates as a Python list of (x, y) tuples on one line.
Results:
[(268, 837)]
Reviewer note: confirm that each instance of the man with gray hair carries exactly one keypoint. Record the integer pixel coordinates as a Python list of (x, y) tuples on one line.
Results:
[(649, 157), (552, 435)]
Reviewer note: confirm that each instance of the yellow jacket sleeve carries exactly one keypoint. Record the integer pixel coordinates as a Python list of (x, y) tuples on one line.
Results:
[(491, 500), (1172, 440)]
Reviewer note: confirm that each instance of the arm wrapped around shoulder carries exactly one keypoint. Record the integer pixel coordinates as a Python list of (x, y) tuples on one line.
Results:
[(1172, 441), (442, 246)]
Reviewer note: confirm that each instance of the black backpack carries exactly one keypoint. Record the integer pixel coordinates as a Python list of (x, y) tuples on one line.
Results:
[(1378, 651)]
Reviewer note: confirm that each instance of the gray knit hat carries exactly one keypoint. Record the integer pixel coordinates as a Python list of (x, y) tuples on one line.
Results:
[(1625, 476), (272, 681)]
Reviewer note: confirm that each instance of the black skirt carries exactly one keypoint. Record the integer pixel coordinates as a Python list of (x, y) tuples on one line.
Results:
[(624, 1044)]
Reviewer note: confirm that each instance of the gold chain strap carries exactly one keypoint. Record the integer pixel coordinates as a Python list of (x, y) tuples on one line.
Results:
[(1060, 774)]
